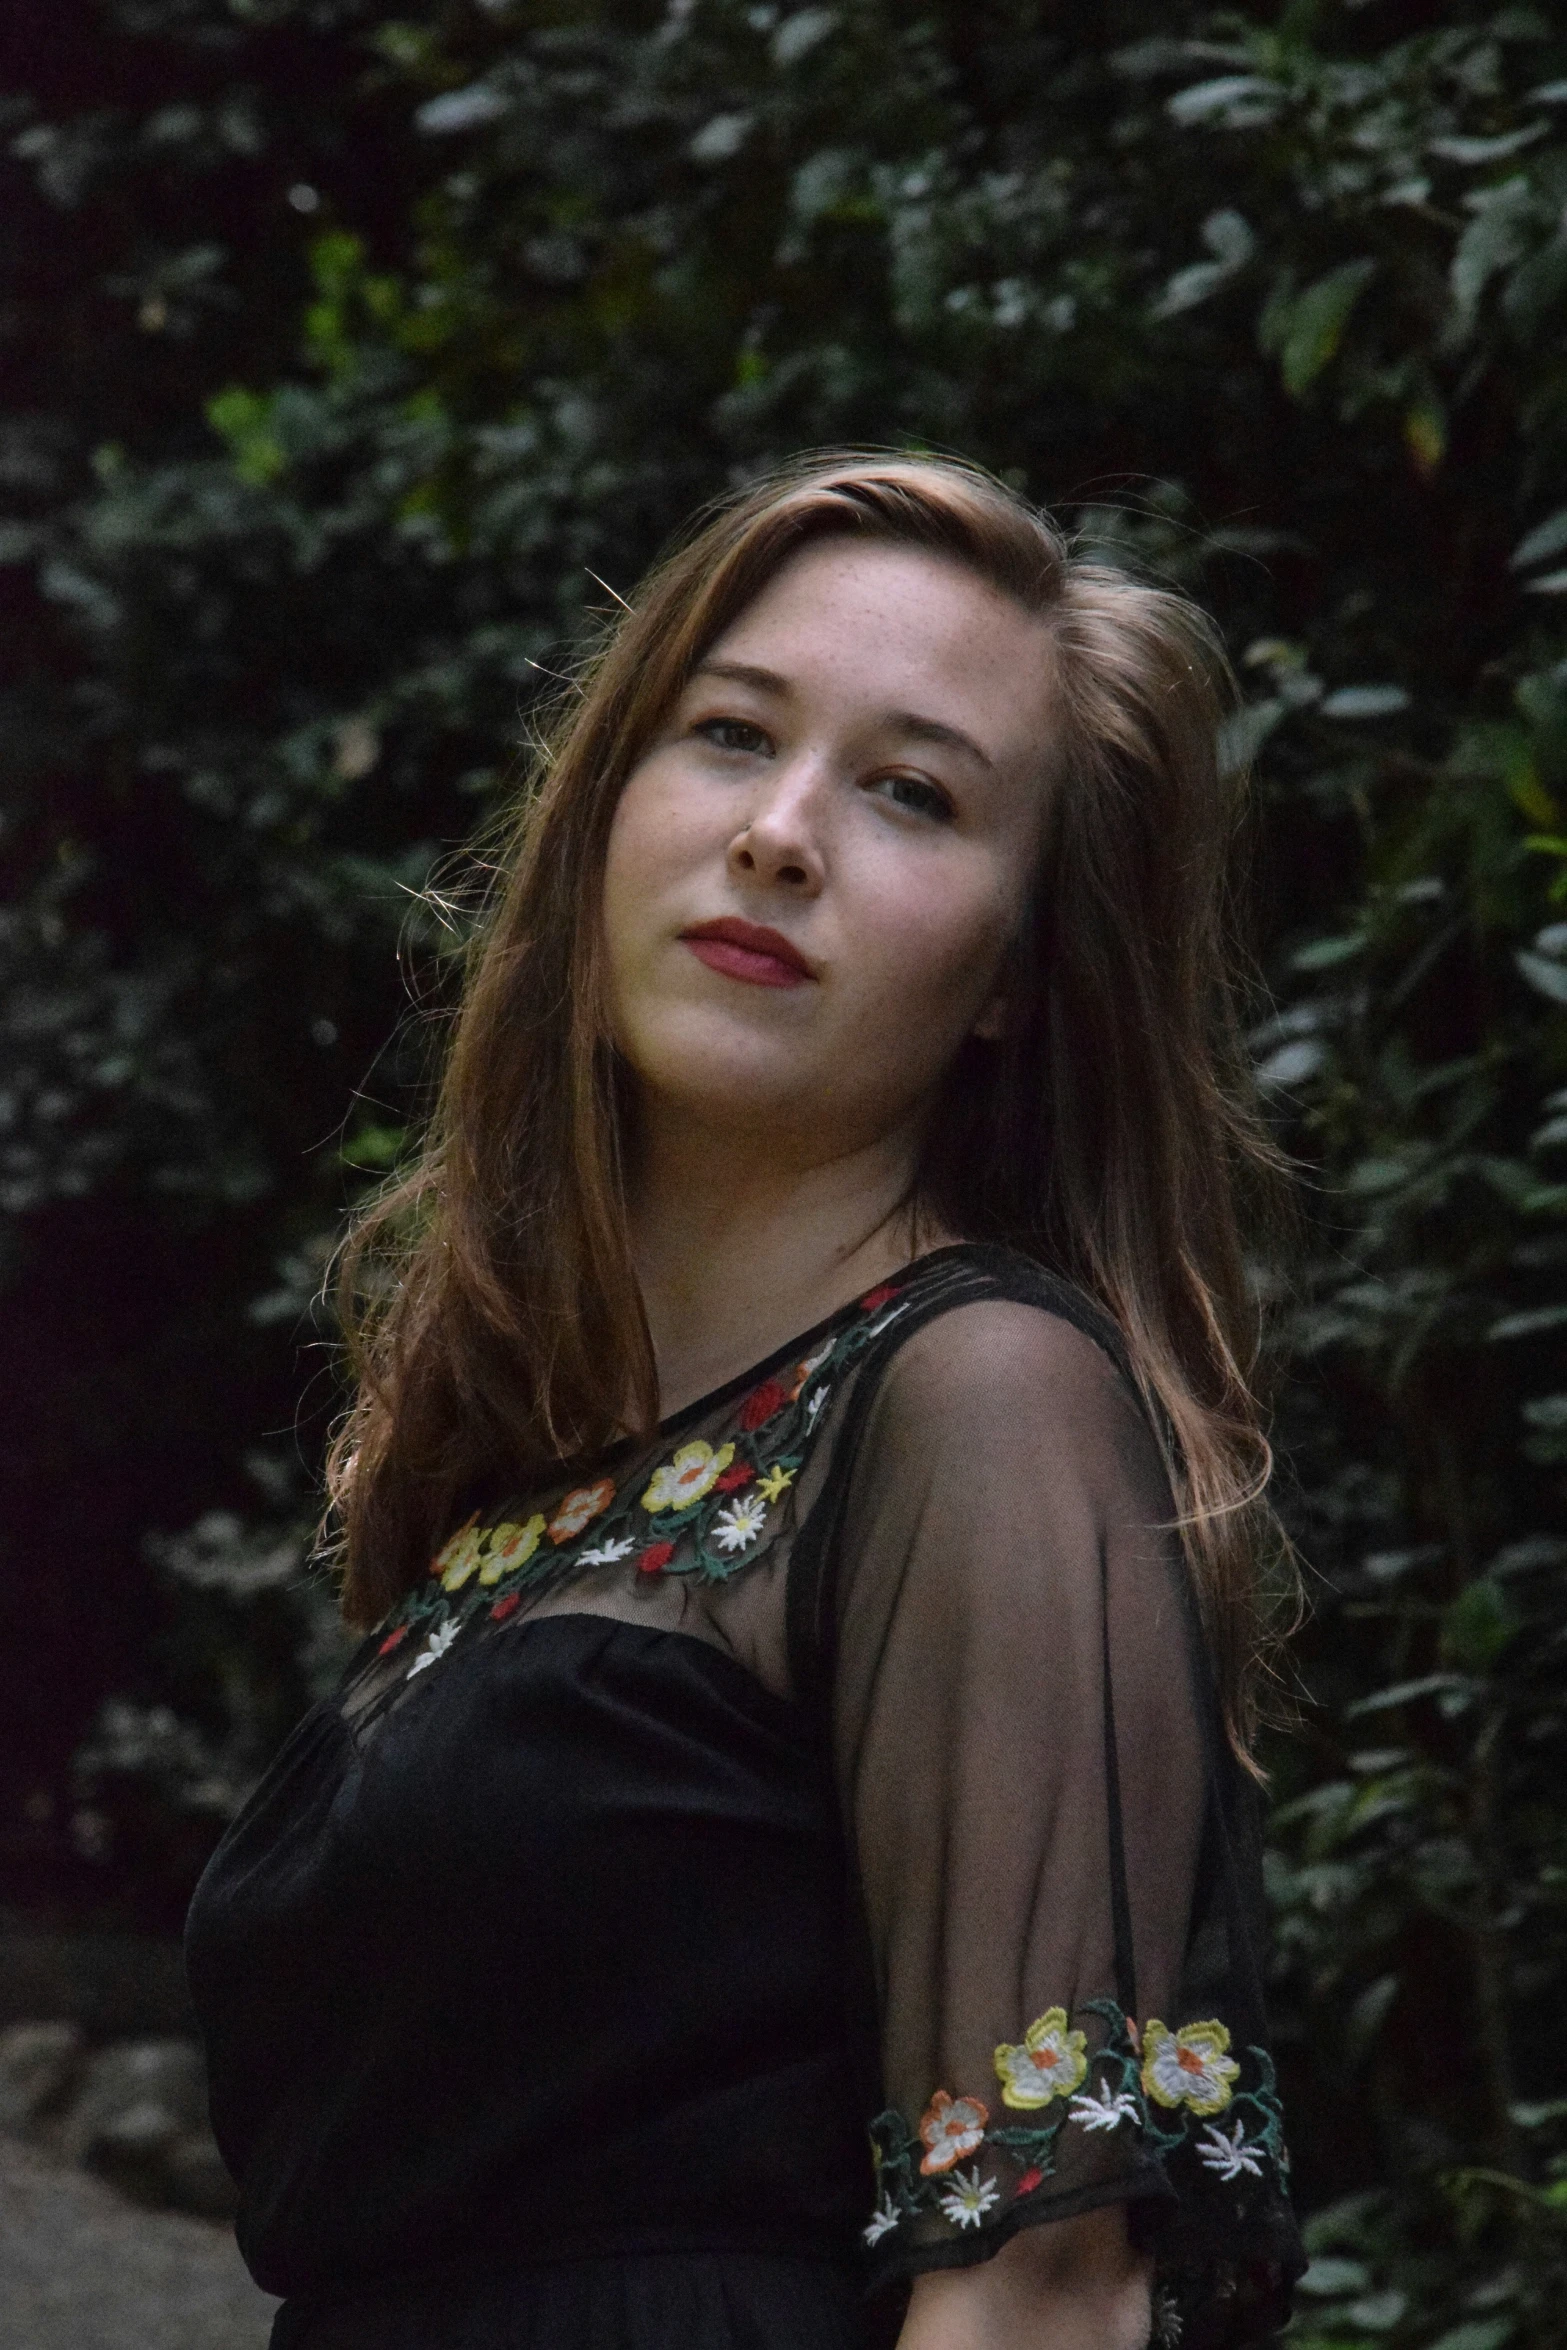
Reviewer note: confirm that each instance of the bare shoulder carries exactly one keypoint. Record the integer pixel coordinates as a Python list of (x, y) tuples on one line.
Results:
[(995, 1359)]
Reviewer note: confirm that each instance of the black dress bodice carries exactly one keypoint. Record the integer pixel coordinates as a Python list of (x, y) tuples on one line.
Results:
[(693, 1821), (552, 1964)]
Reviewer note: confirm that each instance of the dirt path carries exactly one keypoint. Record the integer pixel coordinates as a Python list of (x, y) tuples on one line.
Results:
[(80, 2269)]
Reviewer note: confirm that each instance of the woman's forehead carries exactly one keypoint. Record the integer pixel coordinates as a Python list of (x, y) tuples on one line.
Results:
[(899, 626)]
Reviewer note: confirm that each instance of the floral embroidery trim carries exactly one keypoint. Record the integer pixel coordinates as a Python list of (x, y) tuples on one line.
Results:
[(694, 1471), (1050, 2063), (579, 1509), (968, 2198), (605, 1554), (510, 1547), (435, 1648), (1158, 2081), (1231, 2155), (456, 1561), (951, 2127), (708, 1509), (1188, 2067), (737, 1527)]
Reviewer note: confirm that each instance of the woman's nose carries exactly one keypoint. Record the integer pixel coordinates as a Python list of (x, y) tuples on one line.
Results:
[(780, 846)]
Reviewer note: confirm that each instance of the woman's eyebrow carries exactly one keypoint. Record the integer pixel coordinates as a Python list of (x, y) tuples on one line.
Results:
[(934, 730), (906, 722), (766, 681)]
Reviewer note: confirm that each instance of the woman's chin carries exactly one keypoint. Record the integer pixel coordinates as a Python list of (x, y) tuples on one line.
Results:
[(751, 1101)]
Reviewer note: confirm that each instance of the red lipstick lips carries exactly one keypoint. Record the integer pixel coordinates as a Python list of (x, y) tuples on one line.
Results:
[(748, 950)]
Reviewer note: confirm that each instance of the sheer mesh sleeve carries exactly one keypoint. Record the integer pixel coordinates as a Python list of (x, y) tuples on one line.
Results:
[(1056, 1856)]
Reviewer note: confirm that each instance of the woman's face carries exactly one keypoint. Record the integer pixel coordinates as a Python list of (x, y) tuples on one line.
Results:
[(815, 870)]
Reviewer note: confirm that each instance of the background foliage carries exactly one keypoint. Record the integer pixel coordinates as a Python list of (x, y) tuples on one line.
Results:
[(349, 357)]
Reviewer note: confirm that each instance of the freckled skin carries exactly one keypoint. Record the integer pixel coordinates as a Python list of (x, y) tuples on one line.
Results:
[(830, 806)]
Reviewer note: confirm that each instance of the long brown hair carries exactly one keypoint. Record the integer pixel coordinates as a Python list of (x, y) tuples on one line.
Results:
[(494, 1318)]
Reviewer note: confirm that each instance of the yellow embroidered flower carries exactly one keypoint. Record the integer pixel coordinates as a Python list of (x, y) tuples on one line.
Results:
[(579, 1509), (951, 2127), (695, 1470), (455, 1562), (773, 1482), (1189, 2067), (509, 1547), (1050, 2063)]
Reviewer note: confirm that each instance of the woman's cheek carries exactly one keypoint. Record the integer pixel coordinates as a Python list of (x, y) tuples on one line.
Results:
[(940, 960)]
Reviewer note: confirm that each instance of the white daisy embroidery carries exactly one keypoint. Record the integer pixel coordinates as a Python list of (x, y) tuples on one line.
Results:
[(1166, 2319), (604, 1554), (882, 2220), (435, 1648), (969, 2197), (740, 1524), (1231, 2155), (813, 1404), (1106, 2111)]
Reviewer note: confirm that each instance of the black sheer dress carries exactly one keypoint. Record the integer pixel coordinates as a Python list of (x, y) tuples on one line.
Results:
[(799, 1854)]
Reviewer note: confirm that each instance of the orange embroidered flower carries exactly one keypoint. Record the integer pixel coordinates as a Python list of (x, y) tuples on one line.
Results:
[(579, 1509), (951, 2127), (655, 1558)]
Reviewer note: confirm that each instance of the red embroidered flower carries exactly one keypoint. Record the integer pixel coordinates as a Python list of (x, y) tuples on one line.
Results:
[(655, 1558), (732, 1479), (503, 1607), (762, 1402), (878, 1297), (393, 1640), (1029, 2181)]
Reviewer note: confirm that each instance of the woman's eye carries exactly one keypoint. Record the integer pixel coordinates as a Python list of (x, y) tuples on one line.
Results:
[(733, 734), (916, 793)]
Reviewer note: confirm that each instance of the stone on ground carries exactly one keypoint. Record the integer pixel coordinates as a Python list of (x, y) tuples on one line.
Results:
[(81, 2269)]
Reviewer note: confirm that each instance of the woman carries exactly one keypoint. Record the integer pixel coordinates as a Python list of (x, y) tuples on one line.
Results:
[(806, 1495)]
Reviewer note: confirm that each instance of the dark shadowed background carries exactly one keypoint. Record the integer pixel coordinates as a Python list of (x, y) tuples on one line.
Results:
[(352, 359)]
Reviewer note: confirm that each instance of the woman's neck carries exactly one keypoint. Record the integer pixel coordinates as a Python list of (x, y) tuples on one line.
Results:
[(738, 1248)]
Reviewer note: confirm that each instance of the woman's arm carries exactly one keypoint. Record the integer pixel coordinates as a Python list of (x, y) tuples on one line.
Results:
[(1072, 2284), (1059, 1935)]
